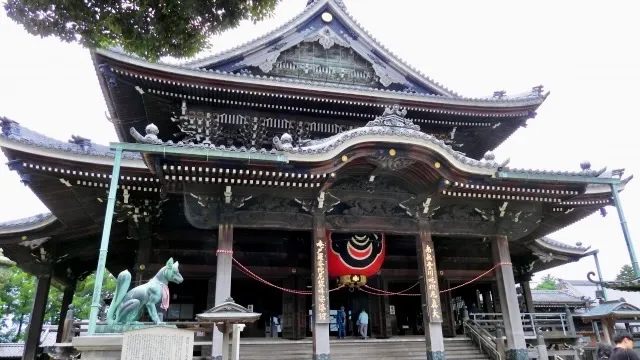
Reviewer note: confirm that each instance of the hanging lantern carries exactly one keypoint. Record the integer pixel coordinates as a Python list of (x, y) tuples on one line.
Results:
[(354, 257)]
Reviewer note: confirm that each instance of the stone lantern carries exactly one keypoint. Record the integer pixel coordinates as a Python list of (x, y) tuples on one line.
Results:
[(229, 317)]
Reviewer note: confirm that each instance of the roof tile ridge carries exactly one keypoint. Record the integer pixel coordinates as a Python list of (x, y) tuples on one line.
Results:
[(246, 44), (33, 219)]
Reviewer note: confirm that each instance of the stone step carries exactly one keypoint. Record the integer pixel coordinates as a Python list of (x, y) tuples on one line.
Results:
[(373, 349)]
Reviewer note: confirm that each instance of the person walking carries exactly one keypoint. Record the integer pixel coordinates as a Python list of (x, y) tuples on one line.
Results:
[(624, 348), (341, 320), (363, 324)]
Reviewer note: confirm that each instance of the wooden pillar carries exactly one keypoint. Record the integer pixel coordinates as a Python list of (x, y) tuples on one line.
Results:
[(67, 299), (606, 330), (293, 310), (224, 267), (320, 280), (449, 329), (43, 284), (516, 346), (380, 316), (430, 294), (528, 298), (495, 296)]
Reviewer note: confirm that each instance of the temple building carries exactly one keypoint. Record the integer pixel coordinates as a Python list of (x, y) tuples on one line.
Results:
[(306, 170)]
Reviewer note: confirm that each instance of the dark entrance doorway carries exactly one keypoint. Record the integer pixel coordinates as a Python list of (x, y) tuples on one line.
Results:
[(353, 302), (408, 316)]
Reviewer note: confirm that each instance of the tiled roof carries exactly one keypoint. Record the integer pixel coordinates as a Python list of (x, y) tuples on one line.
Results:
[(31, 220), (15, 350), (12, 130), (118, 54), (614, 307), (534, 97), (301, 17), (557, 244), (623, 285), (558, 297)]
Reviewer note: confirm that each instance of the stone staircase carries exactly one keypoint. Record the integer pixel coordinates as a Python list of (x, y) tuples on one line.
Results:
[(397, 348)]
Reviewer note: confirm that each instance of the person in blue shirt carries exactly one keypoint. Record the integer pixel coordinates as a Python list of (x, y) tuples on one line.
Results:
[(341, 320), (363, 323)]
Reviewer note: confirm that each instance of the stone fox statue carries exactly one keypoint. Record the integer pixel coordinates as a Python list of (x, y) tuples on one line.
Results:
[(126, 307)]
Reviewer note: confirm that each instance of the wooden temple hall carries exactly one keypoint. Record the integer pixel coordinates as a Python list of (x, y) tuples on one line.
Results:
[(306, 170)]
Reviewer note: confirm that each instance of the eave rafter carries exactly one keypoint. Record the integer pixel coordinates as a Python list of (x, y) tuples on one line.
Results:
[(187, 83)]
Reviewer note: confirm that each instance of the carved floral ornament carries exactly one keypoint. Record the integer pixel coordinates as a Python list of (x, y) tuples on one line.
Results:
[(394, 125)]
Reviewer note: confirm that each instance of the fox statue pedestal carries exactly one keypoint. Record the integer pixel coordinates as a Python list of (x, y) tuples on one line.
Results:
[(156, 342), (123, 337)]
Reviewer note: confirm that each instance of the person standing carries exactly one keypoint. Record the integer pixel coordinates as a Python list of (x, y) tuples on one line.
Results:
[(341, 320), (363, 323), (624, 348)]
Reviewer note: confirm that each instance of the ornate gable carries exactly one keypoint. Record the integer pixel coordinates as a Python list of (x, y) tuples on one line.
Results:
[(323, 45)]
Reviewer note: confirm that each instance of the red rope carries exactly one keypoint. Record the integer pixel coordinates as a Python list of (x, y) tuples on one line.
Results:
[(258, 278), (387, 293)]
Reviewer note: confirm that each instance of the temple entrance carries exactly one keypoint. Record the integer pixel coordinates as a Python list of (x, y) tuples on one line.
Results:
[(353, 302), (408, 316), (268, 303)]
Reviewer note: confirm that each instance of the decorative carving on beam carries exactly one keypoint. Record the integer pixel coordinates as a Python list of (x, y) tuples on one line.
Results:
[(35, 243), (394, 117), (459, 212), (198, 127), (269, 203), (202, 211), (253, 132), (138, 210), (391, 225), (381, 184), (272, 220), (372, 207), (391, 163), (327, 38)]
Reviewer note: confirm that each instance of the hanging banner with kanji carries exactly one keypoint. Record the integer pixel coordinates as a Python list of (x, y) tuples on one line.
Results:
[(431, 283)]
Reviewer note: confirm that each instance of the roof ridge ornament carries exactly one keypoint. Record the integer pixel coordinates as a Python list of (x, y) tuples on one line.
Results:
[(340, 3), (83, 142), (9, 127), (394, 117)]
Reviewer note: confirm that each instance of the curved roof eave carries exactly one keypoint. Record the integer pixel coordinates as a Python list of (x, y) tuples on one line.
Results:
[(27, 224), (21, 139), (532, 102), (560, 247)]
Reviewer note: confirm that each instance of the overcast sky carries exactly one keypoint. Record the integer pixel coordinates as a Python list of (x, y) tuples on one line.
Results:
[(585, 52)]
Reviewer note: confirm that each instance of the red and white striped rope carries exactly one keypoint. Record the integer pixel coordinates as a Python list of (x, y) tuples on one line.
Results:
[(258, 278), (402, 293), (221, 251)]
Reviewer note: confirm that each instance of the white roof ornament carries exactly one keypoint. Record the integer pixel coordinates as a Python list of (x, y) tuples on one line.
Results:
[(5, 262)]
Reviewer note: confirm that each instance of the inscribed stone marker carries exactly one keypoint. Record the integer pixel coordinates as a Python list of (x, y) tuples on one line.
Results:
[(157, 343)]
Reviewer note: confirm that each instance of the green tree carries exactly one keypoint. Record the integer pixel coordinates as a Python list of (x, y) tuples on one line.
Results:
[(626, 273), (16, 299), (16, 296), (148, 28), (84, 292), (548, 283)]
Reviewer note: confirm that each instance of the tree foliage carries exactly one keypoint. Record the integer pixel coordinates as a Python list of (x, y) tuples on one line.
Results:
[(548, 283), (148, 28), (16, 298), (626, 273)]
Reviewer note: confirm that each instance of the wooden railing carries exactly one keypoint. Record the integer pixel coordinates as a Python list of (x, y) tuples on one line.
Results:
[(531, 322)]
